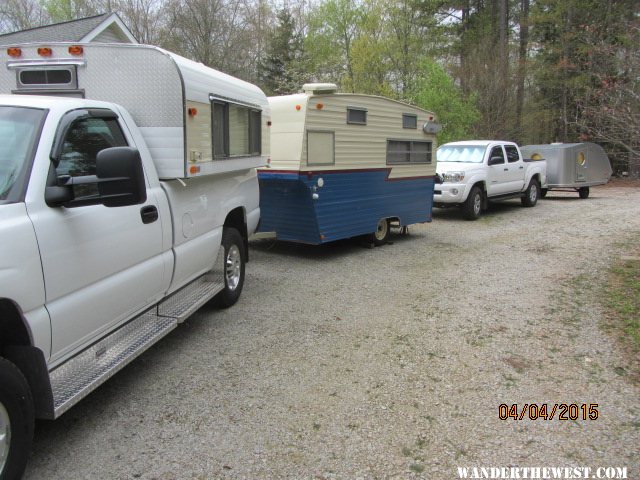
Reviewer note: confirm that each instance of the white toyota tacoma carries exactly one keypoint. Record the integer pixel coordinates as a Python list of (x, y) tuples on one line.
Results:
[(475, 172)]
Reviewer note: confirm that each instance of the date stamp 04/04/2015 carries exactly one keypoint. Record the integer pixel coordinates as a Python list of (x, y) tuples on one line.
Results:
[(551, 411)]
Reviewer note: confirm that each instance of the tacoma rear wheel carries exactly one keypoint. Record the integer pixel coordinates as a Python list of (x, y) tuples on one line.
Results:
[(532, 194), (16, 421)]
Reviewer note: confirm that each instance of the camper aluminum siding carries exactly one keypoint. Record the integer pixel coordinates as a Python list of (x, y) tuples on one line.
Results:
[(317, 152), (572, 165), (158, 88)]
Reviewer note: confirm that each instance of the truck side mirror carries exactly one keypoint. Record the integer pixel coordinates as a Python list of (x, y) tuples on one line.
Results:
[(496, 160), (120, 177)]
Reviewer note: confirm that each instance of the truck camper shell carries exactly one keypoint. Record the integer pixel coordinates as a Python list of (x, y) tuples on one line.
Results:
[(572, 166), (344, 165), (195, 120)]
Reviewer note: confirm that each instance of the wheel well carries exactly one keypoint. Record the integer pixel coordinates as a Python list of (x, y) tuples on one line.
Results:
[(13, 331), (15, 346), (237, 219)]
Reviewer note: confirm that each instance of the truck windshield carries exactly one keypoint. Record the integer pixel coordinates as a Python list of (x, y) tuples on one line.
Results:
[(461, 153), (19, 131)]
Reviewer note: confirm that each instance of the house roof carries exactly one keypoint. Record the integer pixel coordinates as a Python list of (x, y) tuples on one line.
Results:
[(81, 30)]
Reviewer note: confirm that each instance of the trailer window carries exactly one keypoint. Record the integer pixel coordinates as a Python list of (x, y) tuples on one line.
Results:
[(320, 148), (357, 116), (409, 121), (236, 130), (408, 151), (47, 77)]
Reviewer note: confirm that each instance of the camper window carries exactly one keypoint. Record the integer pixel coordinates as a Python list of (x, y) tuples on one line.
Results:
[(320, 148), (357, 116), (407, 151), (409, 120), (236, 130)]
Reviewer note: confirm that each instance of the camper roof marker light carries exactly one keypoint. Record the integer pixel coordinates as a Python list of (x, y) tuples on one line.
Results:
[(298, 107), (320, 106), (76, 50), (45, 51), (14, 52), (193, 111)]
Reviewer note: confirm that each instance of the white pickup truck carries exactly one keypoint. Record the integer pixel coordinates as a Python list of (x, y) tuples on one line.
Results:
[(478, 171), (116, 223)]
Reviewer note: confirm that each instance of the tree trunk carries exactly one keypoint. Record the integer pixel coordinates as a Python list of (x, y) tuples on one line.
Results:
[(522, 66)]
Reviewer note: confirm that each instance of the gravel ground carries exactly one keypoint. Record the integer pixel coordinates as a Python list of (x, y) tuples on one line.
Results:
[(346, 362)]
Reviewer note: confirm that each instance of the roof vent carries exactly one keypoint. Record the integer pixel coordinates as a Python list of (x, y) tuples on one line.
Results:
[(317, 88)]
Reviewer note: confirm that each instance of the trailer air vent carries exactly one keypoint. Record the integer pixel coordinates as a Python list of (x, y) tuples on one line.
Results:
[(59, 77), (319, 88)]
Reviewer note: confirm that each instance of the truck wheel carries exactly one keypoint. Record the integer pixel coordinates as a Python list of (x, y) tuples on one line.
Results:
[(233, 268), (583, 192), (381, 235), (472, 207), (543, 192), (531, 194), (16, 421)]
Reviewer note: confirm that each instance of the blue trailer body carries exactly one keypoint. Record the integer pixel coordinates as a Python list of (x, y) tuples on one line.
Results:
[(349, 203)]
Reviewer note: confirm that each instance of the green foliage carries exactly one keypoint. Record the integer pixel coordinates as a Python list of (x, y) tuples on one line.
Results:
[(283, 70), (436, 91), (623, 295)]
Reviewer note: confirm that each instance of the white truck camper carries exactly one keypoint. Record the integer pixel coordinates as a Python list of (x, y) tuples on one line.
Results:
[(128, 190)]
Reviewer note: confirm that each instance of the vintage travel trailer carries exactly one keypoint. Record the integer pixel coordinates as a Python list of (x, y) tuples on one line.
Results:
[(572, 166), (344, 165)]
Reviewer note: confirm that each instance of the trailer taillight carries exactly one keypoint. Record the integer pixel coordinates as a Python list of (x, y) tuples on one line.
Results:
[(45, 52), (76, 50), (14, 52)]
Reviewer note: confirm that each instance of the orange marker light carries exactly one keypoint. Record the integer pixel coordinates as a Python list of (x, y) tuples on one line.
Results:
[(76, 50), (298, 107), (320, 106), (192, 111), (14, 52), (194, 169), (45, 52)]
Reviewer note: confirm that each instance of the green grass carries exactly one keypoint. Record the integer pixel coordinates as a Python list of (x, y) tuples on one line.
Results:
[(623, 299)]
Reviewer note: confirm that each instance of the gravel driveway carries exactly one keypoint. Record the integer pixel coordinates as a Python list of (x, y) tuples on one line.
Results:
[(346, 362)]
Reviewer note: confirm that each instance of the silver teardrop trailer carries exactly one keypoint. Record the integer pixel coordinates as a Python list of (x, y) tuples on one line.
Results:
[(572, 166)]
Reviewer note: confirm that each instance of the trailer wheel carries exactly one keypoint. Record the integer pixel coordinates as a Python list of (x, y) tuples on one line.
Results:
[(381, 235), (472, 206), (543, 192), (234, 264), (531, 194), (16, 421), (583, 192)]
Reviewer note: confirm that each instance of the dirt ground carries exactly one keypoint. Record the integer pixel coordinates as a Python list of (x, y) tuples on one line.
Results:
[(342, 362)]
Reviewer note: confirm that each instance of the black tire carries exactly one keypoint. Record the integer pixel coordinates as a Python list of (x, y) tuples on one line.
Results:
[(381, 235), (543, 192), (16, 421), (532, 194), (583, 192), (472, 206), (234, 265)]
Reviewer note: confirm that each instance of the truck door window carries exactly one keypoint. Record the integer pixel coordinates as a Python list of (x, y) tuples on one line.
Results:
[(496, 152), (85, 138), (512, 153)]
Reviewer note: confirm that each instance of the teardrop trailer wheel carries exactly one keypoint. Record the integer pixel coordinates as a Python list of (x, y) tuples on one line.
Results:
[(16, 421), (234, 266), (381, 235), (583, 192)]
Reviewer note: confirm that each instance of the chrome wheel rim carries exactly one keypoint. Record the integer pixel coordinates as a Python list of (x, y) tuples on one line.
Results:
[(381, 229), (233, 263), (5, 436), (477, 204)]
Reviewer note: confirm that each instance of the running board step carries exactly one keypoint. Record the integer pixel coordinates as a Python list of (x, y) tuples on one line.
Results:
[(74, 380)]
